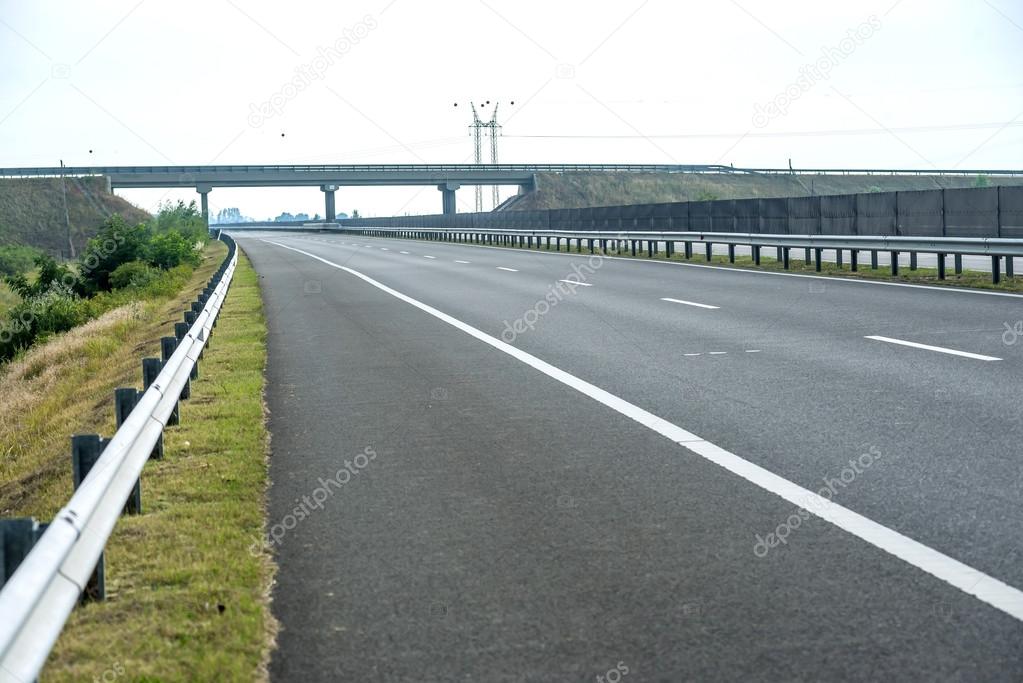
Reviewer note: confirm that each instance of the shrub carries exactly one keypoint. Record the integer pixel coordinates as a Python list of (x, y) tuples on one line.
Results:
[(170, 249), (115, 244), (135, 274), (34, 319), (17, 259)]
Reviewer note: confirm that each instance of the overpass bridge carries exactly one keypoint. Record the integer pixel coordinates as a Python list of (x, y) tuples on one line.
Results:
[(330, 177), (446, 177)]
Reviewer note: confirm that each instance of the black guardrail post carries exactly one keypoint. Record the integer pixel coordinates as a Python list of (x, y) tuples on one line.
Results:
[(817, 259), (731, 253), (167, 347), (996, 269), (17, 537), (941, 266), (895, 262), (912, 260), (125, 399), (873, 259), (85, 451), (783, 254), (854, 260), (838, 257), (150, 370), (958, 263)]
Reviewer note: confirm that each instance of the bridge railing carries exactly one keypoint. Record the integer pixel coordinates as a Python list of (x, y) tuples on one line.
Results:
[(66, 558)]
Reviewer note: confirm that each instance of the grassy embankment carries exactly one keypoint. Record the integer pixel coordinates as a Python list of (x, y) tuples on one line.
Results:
[(186, 600)]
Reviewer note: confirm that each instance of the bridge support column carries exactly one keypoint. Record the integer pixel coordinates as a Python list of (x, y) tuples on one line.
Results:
[(204, 201), (329, 213), (447, 193)]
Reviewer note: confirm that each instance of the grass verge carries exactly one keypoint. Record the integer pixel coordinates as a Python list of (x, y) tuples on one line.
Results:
[(7, 298), (973, 279), (186, 599)]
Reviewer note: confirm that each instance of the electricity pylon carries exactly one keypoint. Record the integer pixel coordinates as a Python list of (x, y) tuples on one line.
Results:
[(477, 129)]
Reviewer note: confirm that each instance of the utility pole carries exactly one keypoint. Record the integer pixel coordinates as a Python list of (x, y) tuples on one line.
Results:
[(67, 217), (478, 128)]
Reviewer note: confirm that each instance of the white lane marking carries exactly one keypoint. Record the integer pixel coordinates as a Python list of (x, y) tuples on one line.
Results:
[(972, 581), (384, 249), (717, 353), (687, 303), (403, 252), (928, 347), (510, 270), (457, 261), (752, 350), (428, 256), (690, 354), (577, 283)]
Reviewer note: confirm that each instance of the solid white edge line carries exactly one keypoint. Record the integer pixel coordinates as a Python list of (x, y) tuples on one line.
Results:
[(985, 588), (688, 303), (577, 283), (510, 270), (928, 347)]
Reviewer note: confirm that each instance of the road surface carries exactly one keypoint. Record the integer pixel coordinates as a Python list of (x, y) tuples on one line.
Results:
[(504, 465)]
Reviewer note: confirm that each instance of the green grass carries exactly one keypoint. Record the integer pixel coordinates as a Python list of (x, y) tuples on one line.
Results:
[(7, 298), (186, 599), (974, 279)]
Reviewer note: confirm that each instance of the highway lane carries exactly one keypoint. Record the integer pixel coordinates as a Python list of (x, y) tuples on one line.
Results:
[(784, 378)]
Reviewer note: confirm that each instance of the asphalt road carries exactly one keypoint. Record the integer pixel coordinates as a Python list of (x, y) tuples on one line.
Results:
[(515, 511)]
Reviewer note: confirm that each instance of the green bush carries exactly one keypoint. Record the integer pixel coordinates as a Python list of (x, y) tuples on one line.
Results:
[(17, 259), (135, 274), (170, 249), (35, 318), (116, 243)]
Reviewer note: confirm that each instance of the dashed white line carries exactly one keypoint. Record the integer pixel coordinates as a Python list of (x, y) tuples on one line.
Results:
[(963, 577), (928, 347), (691, 354), (576, 282), (384, 249), (752, 350), (428, 256), (457, 261), (403, 252), (510, 270), (717, 353), (687, 303)]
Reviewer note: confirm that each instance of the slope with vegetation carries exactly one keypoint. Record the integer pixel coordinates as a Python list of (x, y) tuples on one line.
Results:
[(32, 212), (121, 263), (575, 190)]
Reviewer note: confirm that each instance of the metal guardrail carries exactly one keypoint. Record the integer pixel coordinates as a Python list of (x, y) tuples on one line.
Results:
[(36, 600), (996, 248)]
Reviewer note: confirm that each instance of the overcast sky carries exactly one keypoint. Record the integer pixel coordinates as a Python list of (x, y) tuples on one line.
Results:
[(908, 84)]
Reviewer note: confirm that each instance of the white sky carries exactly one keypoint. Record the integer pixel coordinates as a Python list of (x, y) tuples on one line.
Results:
[(159, 82)]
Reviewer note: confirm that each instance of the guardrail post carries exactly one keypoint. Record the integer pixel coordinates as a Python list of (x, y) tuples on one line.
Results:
[(669, 248), (150, 370), (838, 258), (755, 249), (731, 253), (17, 536), (783, 256), (854, 260), (817, 259), (779, 256), (873, 259), (895, 263), (634, 243), (958, 259), (125, 399), (85, 451), (709, 249), (912, 260), (1009, 267), (650, 244), (167, 347), (996, 269), (941, 266), (591, 245), (806, 256)]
